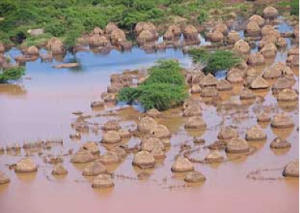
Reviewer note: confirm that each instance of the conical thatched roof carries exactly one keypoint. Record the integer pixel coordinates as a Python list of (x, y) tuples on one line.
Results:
[(208, 80), (98, 31), (110, 27), (224, 85), (141, 26), (259, 83), (258, 19)]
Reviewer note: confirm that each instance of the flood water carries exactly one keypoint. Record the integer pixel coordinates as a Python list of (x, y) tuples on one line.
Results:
[(40, 107)]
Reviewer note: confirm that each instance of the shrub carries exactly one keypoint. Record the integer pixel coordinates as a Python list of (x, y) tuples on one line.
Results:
[(6, 7), (167, 71), (155, 13), (215, 61), (37, 40), (203, 16), (295, 7), (178, 10), (56, 28), (158, 95), (4, 38), (71, 37), (131, 18), (163, 89), (142, 5), (12, 73)]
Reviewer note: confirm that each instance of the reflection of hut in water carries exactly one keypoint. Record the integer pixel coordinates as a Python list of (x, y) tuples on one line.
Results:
[(257, 144), (261, 92), (236, 158), (283, 133), (195, 132), (26, 177), (171, 118), (138, 171), (225, 95), (281, 151), (288, 106), (59, 58)]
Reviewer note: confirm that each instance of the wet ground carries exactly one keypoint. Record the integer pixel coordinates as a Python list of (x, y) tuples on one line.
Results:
[(40, 108)]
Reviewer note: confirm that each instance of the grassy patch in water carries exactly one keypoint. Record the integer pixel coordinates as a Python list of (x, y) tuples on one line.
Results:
[(215, 60), (12, 73), (167, 71), (163, 89)]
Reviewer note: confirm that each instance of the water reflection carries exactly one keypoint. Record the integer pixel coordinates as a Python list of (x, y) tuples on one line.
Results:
[(280, 151), (283, 133), (12, 89), (27, 177)]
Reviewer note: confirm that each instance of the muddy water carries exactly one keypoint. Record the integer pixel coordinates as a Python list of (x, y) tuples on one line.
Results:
[(40, 107)]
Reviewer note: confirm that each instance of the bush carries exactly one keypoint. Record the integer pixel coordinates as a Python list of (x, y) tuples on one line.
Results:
[(295, 7), (203, 16), (56, 28), (12, 73), (131, 18), (142, 5), (37, 40), (163, 89), (178, 10), (167, 71), (6, 7), (215, 61), (4, 38), (76, 29), (155, 13), (158, 95)]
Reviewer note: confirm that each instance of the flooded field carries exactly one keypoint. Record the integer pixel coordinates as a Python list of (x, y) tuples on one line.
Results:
[(40, 107)]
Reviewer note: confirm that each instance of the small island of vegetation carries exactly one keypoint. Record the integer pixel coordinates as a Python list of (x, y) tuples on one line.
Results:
[(164, 87)]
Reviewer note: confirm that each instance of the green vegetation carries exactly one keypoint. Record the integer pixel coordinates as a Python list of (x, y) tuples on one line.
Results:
[(36, 40), (216, 60), (163, 89), (295, 7), (294, 4), (68, 19), (12, 73), (166, 72), (159, 96), (203, 16)]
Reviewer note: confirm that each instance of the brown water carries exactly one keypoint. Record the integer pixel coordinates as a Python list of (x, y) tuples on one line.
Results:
[(41, 109)]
